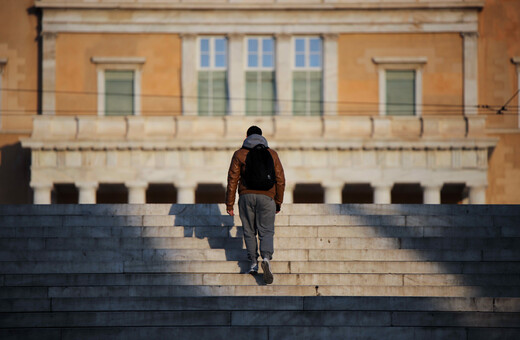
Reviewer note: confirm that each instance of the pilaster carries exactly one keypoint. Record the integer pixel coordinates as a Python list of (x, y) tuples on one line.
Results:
[(49, 73), (330, 74), (236, 75), (470, 52), (284, 74), (189, 74)]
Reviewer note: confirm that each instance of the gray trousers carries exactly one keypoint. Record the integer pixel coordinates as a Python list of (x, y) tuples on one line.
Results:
[(257, 213)]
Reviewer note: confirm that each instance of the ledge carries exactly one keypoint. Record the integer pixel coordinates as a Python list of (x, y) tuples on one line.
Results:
[(118, 60), (227, 4), (328, 132)]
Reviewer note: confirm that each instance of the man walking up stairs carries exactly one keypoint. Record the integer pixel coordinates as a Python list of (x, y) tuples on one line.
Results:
[(342, 272)]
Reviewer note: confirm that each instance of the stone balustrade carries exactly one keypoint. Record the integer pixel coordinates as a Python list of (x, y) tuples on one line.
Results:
[(303, 130)]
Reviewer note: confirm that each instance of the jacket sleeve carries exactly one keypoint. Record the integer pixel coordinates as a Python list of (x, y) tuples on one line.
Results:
[(280, 179), (232, 181)]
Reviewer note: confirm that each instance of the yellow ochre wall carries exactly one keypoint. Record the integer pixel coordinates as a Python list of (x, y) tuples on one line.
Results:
[(358, 75), (75, 72), (499, 41)]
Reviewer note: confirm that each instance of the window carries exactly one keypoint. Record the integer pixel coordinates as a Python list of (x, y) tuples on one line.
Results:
[(119, 93), (119, 85), (400, 85), (260, 93), (307, 77), (212, 77), (400, 92)]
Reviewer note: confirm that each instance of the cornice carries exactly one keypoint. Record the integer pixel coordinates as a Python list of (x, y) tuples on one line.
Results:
[(464, 4)]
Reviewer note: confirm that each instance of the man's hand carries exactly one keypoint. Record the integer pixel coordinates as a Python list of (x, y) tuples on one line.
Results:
[(231, 212)]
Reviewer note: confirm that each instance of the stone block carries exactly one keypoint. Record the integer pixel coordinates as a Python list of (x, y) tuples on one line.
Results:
[(501, 254), (455, 304), (493, 333), (468, 232), (461, 280), (73, 159), (491, 267), (447, 319), (506, 305), (47, 158), (49, 267), (388, 333), (9, 305), (21, 243), (71, 255), (379, 267), (30, 334), (394, 255), (30, 221), (508, 222), (310, 318), (117, 319), (23, 292), (108, 221), (449, 221)]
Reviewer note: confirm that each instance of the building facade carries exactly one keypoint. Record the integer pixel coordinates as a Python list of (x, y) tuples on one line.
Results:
[(145, 101)]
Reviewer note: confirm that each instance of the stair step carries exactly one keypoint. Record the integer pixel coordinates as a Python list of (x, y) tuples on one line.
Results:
[(50, 280), (281, 243)]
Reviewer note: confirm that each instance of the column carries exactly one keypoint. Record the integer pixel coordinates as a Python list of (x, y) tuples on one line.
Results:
[(330, 74), (284, 74), (333, 193), (87, 192), (477, 194), (237, 94), (136, 192), (185, 194), (49, 73), (288, 193), (189, 74), (470, 52), (431, 193), (42, 193), (382, 193)]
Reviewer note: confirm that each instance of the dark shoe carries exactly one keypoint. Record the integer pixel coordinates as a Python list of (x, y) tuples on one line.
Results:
[(253, 269), (268, 275)]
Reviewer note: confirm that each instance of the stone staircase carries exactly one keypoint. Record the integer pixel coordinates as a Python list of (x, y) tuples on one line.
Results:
[(341, 272)]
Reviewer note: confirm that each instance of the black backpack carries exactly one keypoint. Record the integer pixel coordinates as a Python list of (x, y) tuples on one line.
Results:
[(259, 172)]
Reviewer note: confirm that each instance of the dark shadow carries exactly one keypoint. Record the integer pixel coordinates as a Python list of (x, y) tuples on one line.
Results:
[(210, 193), (161, 193), (111, 193), (407, 194), (357, 193), (454, 193), (308, 193), (65, 193), (15, 175)]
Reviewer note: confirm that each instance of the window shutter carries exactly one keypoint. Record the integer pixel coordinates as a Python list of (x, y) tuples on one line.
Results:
[(251, 93), (400, 92), (119, 93), (219, 83), (203, 93), (316, 95), (299, 93), (267, 93)]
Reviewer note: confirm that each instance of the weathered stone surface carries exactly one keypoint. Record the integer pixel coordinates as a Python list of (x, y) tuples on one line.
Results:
[(310, 318)]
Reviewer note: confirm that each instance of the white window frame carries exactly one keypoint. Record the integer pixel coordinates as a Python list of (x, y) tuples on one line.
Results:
[(516, 61), (212, 66), (404, 64), (104, 64), (3, 62), (307, 67), (260, 67)]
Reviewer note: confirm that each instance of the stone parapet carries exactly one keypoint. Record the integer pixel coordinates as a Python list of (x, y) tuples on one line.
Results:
[(350, 132)]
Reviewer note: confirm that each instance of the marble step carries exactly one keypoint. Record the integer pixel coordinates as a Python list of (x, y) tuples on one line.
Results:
[(98, 243)]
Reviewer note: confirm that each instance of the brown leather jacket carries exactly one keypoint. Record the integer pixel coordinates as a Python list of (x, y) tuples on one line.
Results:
[(236, 169)]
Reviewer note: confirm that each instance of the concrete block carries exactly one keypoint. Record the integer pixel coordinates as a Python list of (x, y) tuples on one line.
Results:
[(131, 333), (49, 267), (447, 319), (122, 319), (394, 255), (108, 221), (310, 318), (507, 305), (25, 305), (461, 280), (30, 221), (388, 333), (30, 334), (455, 304), (449, 221), (493, 333), (370, 231), (378, 267)]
